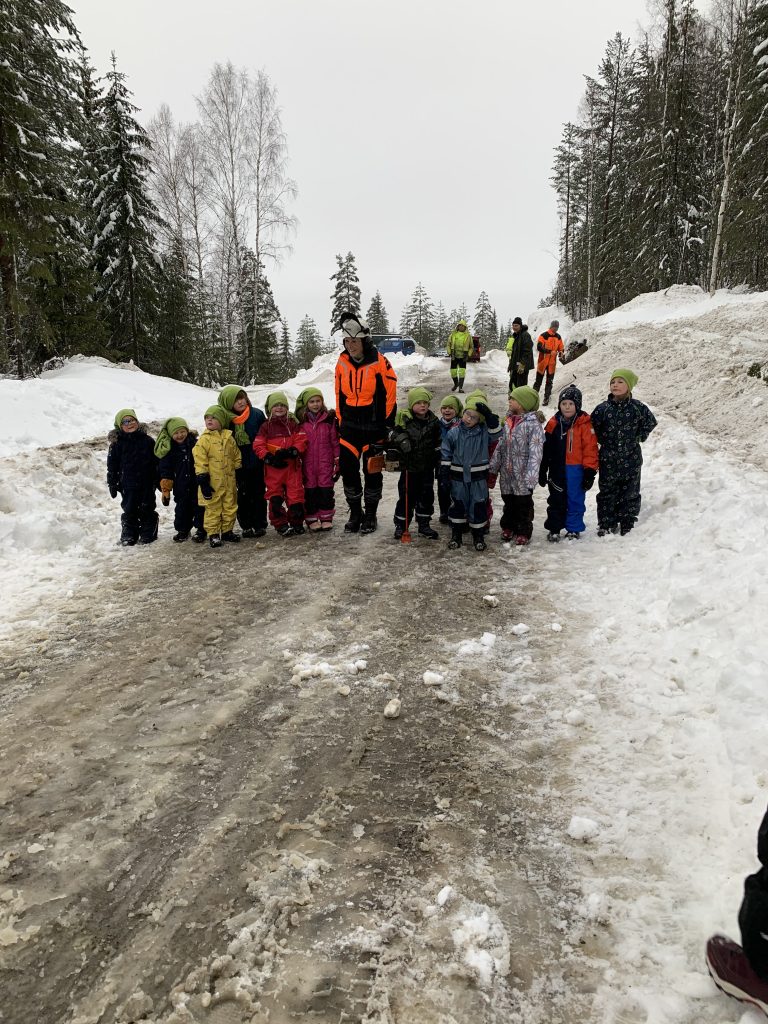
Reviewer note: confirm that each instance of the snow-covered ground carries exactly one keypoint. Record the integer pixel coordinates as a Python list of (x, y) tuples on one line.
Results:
[(636, 664)]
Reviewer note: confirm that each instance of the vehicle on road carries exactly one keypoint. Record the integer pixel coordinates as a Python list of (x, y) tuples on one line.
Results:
[(388, 344)]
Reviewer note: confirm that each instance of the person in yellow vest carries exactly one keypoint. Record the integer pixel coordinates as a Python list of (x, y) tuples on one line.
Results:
[(460, 346)]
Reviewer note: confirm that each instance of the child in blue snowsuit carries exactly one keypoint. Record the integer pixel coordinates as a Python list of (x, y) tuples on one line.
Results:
[(621, 424), (450, 417), (177, 476), (465, 464), (132, 473)]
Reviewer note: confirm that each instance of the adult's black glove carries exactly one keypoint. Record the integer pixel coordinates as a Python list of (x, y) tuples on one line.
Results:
[(541, 346), (113, 490), (543, 478), (204, 483), (588, 478)]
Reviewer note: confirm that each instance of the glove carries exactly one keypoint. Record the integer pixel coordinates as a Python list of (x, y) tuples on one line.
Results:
[(204, 483), (483, 410), (541, 346), (520, 368), (291, 453), (269, 459), (588, 478), (113, 490), (491, 481), (280, 459), (336, 470), (166, 486), (543, 478)]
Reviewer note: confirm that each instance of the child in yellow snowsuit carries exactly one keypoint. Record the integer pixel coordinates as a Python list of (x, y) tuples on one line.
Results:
[(216, 459)]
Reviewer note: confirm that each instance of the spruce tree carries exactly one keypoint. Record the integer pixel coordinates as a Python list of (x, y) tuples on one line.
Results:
[(308, 342), (261, 319), (346, 292), (377, 316), (484, 321), (123, 247), (285, 358), (418, 318)]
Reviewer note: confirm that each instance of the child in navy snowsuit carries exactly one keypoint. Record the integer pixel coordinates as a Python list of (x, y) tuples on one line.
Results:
[(569, 465), (621, 424), (177, 476), (465, 465), (245, 422), (418, 438), (132, 473), (450, 417)]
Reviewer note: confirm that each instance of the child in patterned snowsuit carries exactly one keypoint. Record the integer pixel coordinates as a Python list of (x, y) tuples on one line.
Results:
[(465, 464), (417, 437), (177, 476), (245, 421), (516, 460), (621, 424), (569, 465), (320, 463), (450, 417), (132, 472), (280, 444), (217, 458)]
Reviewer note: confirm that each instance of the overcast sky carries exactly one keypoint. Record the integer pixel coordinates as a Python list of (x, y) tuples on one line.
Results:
[(420, 132)]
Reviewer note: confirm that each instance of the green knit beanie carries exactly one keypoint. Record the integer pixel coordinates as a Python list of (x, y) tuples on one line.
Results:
[(472, 403), (629, 378), (526, 397), (479, 395), (165, 437), (228, 396), (276, 398), (304, 397), (418, 394), (454, 402), (124, 412), (220, 414)]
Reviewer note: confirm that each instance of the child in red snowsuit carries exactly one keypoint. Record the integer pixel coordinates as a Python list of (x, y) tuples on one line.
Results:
[(280, 443)]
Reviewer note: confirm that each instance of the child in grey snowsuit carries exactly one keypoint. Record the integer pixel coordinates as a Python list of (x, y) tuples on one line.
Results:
[(132, 473), (516, 460), (465, 464), (621, 424), (450, 417)]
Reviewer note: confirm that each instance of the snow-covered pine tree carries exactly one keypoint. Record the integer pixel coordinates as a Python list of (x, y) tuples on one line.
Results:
[(418, 318), (346, 292), (377, 316), (261, 321), (443, 325), (286, 364), (123, 252), (174, 352), (483, 323), (38, 111), (308, 342)]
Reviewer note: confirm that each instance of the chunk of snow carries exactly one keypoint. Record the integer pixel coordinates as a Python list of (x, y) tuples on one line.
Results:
[(444, 895), (556, 627), (432, 678), (583, 829), (521, 629), (392, 710), (491, 601), (574, 717)]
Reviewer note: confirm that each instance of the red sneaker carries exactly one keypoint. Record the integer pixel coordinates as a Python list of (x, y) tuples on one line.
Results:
[(732, 973), (522, 541)]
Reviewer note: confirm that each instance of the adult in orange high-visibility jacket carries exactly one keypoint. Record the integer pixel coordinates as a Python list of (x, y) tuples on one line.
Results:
[(549, 346), (366, 403)]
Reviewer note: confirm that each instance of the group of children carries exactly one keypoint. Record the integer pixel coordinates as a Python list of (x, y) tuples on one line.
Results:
[(247, 465)]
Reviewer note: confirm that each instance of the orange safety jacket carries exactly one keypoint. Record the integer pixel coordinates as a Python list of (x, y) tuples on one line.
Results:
[(366, 396), (551, 344)]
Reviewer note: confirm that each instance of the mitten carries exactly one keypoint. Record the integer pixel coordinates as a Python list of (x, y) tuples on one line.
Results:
[(541, 346), (280, 459), (269, 459), (491, 481), (113, 490), (588, 478), (543, 478), (166, 486), (336, 470), (520, 368), (292, 453), (204, 483)]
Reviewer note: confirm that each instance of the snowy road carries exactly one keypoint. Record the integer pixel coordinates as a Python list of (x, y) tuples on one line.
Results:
[(210, 819), (207, 819)]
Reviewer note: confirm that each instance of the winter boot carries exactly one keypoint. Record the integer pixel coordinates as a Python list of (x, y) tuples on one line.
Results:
[(571, 535), (352, 525), (461, 388), (506, 536), (200, 535), (231, 537), (399, 530), (604, 531), (127, 541), (478, 540), (425, 530), (215, 540), (286, 530), (733, 974), (443, 518), (625, 527), (522, 541), (369, 522), (455, 385), (553, 537), (252, 532), (456, 538), (180, 537), (148, 532)]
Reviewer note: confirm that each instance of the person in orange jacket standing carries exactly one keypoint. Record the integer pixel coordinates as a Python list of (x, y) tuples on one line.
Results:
[(550, 346), (366, 403)]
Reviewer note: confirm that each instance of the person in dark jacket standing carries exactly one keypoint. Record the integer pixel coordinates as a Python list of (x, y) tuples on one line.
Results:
[(245, 422), (177, 476), (132, 473), (366, 403), (621, 424), (520, 352), (742, 971), (417, 437)]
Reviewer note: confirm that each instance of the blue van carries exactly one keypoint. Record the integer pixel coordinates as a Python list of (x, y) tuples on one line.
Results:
[(389, 343)]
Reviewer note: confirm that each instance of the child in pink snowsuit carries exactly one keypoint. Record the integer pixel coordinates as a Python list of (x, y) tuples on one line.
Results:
[(280, 443), (320, 464)]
